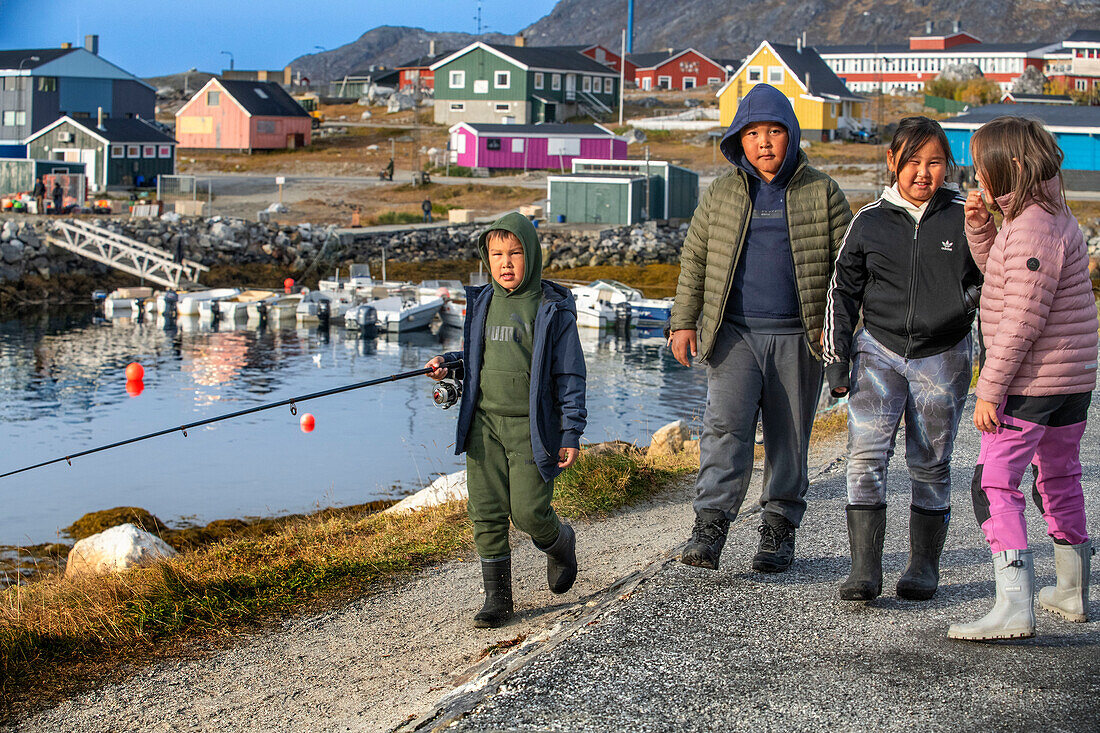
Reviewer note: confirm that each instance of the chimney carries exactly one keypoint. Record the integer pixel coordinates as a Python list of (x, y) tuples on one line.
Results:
[(66, 45), (808, 90), (669, 49), (957, 26), (520, 41), (91, 44), (99, 118), (927, 27), (804, 44), (431, 49), (798, 44)]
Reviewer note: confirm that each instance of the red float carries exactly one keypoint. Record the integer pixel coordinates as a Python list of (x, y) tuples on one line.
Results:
[(307, 422), (134, 372), (288, 284)]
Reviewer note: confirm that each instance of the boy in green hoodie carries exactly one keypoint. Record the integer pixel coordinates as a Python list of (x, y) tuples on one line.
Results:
[(523, 410)]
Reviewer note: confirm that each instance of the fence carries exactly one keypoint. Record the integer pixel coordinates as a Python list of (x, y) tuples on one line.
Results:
[(188, 194), (942, 104)]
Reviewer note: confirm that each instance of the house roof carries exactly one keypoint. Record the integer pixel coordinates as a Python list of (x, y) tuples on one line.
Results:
[(547, 130), (1055, 117), (968, 49), (422, 62), (1084, 36), (652, 58), (263, 98), (823, 80), (10, 59), (1039, 98), (550, 57), (114, 130)]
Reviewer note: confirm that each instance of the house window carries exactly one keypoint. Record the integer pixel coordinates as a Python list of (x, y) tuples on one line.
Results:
[(133, 151), (555, 82), (832, 109), (15, 83), (47, 83), (213, 99), (458, 107), (539, 77), (664, 82), (492, 143), (689, 82), (502, 79), (503, 107), (265, 127), (118, 151), (609, 86), (14, 118), (260, 93), (149, 151), (517, 145), (481, 86), (1082, 85), (165, 151), (775, 74), (586, 84), (714, 80), (457, 80), (755, 74)]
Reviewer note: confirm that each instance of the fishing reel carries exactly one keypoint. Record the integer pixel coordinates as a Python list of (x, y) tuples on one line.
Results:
[(447, 393)]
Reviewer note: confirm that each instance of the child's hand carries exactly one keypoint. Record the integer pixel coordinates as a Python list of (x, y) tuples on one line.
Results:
[(439, 371), (974, 210), (683, 345), (567, 457), (985, 416)]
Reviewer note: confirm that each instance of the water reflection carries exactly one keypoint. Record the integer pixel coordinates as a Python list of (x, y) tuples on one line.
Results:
[(62, 389)]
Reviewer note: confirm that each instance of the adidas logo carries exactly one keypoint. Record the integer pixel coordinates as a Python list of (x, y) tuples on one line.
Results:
[(947, 246)]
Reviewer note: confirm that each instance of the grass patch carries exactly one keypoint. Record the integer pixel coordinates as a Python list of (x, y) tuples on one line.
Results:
[(397, 217), (596, 485)]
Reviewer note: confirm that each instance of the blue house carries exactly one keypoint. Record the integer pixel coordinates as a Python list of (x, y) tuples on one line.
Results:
[(1077, 130), (39, 85)]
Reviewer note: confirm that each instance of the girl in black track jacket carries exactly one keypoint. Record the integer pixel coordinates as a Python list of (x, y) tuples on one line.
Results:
[(904, 263)]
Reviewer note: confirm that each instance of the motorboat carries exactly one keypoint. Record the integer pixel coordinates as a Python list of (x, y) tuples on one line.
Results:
[(188, 304), (453, 293), (125, 302), (234, 308), (398, 313), (315, 303), (275, 308), (644, 312), (594, 309)]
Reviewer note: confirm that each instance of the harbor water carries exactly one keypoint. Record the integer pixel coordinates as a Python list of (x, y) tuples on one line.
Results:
[(63, 390)]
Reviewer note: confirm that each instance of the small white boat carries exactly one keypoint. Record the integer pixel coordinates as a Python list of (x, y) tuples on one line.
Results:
[(594, 309), (397, 314), (453, 293), (125, 302), (275, 308), (339, 302), (234, 308), (188, 304), (644, 312)]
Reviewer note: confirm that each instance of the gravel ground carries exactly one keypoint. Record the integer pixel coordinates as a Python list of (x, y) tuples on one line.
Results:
[(693, 650)]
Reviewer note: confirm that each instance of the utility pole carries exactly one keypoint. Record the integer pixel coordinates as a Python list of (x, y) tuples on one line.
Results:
[(477, 18), (622, 77)]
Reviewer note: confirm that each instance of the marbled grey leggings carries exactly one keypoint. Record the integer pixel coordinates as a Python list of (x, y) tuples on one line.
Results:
[(930, 394)]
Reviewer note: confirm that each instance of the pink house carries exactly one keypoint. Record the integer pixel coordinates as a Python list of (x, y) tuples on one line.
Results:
[(547, 146), (242, 115)]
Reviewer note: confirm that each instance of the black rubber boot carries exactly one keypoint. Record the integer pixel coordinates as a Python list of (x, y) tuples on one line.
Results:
[(776, 551), (866, 534), (497, 577), (927, 533), (708, 537), (561, 560)]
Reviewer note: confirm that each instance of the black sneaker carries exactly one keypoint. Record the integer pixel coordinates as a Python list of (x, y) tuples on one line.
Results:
[(776, 544), (708, 537)]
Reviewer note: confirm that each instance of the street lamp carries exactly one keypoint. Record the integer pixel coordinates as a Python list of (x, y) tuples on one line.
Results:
[(29, 58), (187, 80), (226, 53)]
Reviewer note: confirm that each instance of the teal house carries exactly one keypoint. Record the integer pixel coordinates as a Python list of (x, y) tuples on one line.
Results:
[(524, 85)]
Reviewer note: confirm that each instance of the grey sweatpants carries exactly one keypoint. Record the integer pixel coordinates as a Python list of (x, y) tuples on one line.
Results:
[(929, 394), (777, 374)]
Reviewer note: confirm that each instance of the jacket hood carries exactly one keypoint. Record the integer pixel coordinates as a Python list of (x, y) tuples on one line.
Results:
[(524, 230), (1052, 188), (763, 103)]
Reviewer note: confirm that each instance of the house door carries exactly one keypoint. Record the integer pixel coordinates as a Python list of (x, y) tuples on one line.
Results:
[(217, 134), (88, 158), (570, 87)]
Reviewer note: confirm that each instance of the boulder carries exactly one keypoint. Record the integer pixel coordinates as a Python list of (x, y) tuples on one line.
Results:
[(116, 549), (451, 487), (669, 440)]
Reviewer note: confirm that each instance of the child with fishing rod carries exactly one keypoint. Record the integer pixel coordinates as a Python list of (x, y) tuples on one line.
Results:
[(522, 413), (904, 266), (1039, 324)]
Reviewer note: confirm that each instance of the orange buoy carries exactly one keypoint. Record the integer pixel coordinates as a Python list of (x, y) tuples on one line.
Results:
[(134, 387), (134, 372), (307, 422), (288, 284)]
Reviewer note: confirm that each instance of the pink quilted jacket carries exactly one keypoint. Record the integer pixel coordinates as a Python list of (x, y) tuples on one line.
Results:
[(1038, 313)]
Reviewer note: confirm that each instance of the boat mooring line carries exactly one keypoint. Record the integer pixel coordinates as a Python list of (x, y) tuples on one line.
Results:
[(289, 401)]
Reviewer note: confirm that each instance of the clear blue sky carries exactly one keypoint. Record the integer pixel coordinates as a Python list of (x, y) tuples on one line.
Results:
[(156, 37)]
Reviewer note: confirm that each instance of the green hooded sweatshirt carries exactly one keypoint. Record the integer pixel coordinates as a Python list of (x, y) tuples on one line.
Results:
[(509, 325)]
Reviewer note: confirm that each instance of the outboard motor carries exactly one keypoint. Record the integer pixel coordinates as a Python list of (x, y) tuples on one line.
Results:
[(171, 299), (366, 317), (215, 311), (99, 297), (324, 313), (623, 315), (261, 309)]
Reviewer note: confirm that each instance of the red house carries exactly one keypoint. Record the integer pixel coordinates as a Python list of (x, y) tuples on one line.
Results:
[(417, 73), (603, 55), (672, 69), (242, 115)]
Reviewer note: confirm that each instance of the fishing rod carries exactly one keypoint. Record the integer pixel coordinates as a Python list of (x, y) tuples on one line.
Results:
[(292, 401)]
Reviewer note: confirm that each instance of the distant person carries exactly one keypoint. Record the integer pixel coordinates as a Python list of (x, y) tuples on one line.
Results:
[(426, 207), (910, 361), (521, 420), (58, 196), (387, 173), (39, 195), (1034, 389), (750, 303)]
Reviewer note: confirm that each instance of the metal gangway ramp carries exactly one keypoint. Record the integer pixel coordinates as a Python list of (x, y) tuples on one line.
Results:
[(124, 253)]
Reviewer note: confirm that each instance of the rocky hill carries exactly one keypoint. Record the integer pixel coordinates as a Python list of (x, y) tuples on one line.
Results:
[(727, 29)]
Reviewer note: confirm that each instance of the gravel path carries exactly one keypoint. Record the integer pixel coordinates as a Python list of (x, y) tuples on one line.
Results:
[(693, 650)]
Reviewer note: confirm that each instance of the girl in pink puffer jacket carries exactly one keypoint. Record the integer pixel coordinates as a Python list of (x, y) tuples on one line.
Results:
[(1039, 324)]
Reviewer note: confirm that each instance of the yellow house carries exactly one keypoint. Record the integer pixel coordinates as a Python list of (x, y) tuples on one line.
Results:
[(822, 103)]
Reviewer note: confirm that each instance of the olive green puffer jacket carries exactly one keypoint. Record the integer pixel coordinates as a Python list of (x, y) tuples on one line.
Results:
[(817, 218)]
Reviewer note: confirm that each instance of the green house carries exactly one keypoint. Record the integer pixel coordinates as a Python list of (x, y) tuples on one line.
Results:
[(676, 191), (491, 83), (592, 198)]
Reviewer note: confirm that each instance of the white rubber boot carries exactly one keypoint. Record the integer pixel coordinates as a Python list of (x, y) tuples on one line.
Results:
[(1013, 614), (1070, 597)]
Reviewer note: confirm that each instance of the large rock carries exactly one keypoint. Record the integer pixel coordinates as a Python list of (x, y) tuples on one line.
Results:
[(669, 440), (116, 549), (451, 487)]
